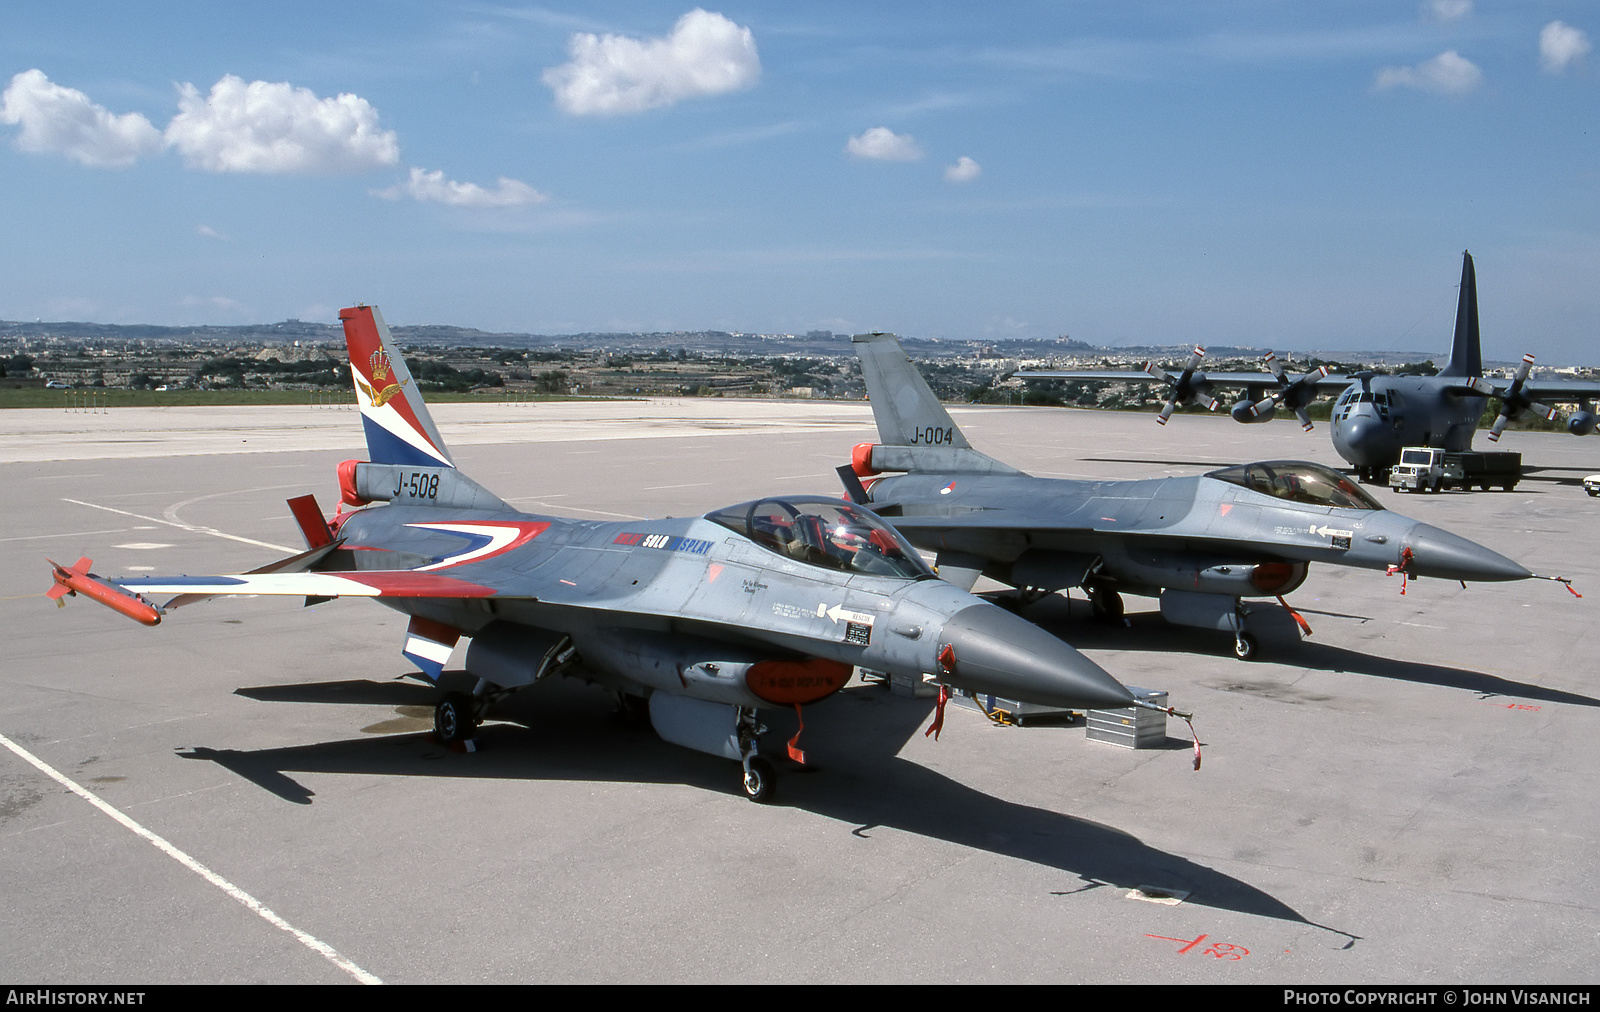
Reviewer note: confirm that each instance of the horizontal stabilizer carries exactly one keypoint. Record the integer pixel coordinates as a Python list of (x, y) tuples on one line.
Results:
[(308, 515)]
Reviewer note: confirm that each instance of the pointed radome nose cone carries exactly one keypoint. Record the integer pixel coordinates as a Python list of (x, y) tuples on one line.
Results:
[(997, 652), (1451, 557)]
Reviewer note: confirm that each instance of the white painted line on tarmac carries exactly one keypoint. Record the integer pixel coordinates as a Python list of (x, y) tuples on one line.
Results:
[(254, 905), (185, 527), (75, 534)]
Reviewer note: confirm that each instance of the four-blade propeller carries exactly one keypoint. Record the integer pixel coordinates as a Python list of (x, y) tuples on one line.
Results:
[(1513, 402), (1189, 388), (1292, 394)]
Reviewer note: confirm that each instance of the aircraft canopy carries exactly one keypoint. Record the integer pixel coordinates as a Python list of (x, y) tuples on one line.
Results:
[(825, 532), (1299, 481)]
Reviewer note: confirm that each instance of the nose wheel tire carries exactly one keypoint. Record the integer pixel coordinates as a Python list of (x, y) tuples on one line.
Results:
[(455, 718), (1246, 647), (760, 781)]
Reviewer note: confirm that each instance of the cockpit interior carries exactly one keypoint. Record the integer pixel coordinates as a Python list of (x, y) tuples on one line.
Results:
[(825, 532)]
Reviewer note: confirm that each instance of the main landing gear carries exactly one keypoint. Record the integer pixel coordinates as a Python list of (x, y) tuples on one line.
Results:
[(456, 717), (1105, 603)]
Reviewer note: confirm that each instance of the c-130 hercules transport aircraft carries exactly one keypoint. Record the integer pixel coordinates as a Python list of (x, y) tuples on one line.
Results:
[(1375, 416), (704, 620)]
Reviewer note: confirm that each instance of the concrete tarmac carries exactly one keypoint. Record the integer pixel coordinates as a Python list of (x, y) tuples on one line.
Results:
[(1406, 796)]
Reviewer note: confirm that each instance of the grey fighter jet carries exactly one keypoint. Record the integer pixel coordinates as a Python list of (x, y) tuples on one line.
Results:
[(1376, 416), (1201, 544), (703, 621)]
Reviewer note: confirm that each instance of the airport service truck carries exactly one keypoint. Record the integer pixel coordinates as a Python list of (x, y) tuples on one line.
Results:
[(1429, 469)]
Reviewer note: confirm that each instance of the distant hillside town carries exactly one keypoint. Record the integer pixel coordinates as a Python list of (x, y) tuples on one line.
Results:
[(297, 355)]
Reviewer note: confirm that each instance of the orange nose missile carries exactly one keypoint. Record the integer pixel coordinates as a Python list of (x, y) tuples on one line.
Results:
[(78, 580)]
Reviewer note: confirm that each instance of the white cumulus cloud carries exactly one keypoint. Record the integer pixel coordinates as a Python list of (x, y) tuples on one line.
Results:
[(269, 127), (63, 121), (705, 54), (1446, 10), (433, 187), (884, 145), (965, 170), (1561, 45), (1449, 73)]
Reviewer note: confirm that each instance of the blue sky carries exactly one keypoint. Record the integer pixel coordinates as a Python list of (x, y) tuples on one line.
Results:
[(1284, 175)]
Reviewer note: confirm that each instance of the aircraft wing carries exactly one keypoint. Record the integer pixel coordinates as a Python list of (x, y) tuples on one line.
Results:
[(349, 583), (1560, 391), (127, 594), (1327, 384)]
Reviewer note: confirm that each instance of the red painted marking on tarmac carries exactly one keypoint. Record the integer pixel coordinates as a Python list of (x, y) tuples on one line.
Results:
[(1217, 950)]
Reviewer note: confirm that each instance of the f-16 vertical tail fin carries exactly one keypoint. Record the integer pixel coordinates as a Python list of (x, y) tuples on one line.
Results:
[(399, 429), (917, 432), (408, 461), (1466, 351)]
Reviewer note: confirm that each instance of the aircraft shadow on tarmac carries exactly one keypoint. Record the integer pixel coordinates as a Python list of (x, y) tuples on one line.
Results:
[(562, 730), (1280, 641)]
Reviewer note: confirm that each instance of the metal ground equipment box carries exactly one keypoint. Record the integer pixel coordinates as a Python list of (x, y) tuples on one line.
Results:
[(1131, 726), (1011, 711)]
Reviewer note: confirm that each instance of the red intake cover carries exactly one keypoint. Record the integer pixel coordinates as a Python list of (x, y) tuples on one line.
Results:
[(347, 484), (861, 461)]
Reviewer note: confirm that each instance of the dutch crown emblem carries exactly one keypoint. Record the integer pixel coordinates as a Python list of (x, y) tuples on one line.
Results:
[(381, 390)]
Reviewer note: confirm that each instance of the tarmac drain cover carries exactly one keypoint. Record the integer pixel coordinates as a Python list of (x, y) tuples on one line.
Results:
[(1156, 894)]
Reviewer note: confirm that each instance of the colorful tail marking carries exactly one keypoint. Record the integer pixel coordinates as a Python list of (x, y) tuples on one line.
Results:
[(399, 429)]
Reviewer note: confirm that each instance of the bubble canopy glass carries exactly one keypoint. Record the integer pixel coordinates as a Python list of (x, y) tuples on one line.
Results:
[(1299, 481), (825, 532)]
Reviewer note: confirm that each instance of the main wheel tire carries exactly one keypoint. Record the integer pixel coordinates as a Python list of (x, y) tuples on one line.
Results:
[(455, 718), (1246, 647), (761, 783)]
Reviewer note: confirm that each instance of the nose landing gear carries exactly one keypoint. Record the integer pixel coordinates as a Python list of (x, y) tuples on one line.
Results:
[(760, 779)]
